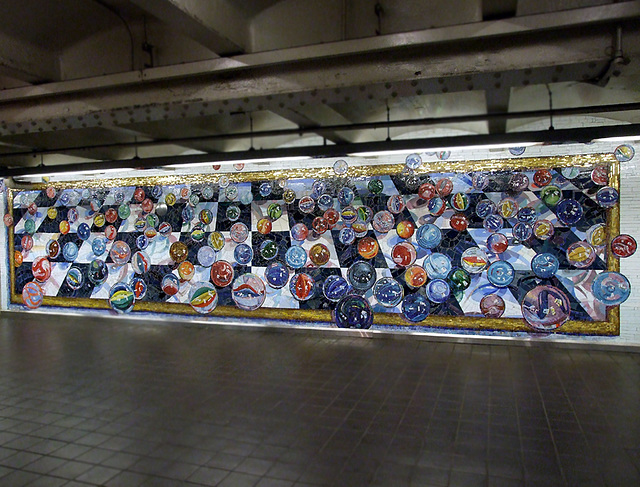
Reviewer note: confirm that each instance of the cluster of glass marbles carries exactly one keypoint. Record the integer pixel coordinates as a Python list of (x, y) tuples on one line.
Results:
[(431, 282)]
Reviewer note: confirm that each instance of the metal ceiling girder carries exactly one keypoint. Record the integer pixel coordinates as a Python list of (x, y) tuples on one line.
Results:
[(432, 61)]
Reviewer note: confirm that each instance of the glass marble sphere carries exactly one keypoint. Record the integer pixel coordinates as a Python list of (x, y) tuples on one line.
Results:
[(570, 172), (415, 307), (459, 280), (18, 258), (299, 232), (345, 196), (349, 214), (74, 278), (318, 188), (545, 308), (428, 236), (319, 254), (120, 252), (233, 213), (239, 232), (437, 265), (205, 216), (375, 186), (438, 290), (395, 204), (611, 288), (178, 251), (111, 215), (276, 275), (597, 235), (459, 222), (121, 298), (551, 195), (436, 206), (522, 231), (216, 241), (383, 221), (569, 212), (30, 226), (415, 276), (508, 208), (243, 254), (32, 295), (203, 298), (405, 229), (347, 236), (302, 286), (186, 270), (53, 248), (265, 189), (170, 284), (170, 199), (335, 287), (517, 151), (340, 167), (206, 256), (8, 220), (332, 216), (70, 251), (306, 204), (231, 192), (222, 273), (264, 226), (545, 265), (296, 256), (52, 213), (581, 254), (543, 229), (99, 220), (320, 225), (459, 201), (365, 213), (599, 175), (325, 201), (413, 161), (526, 214), (188, 214), (542, 177), (493, 223), (444, 187), (623, 246), (65, 199), (480, 181), (519, 182), (98, 271), (141, 262), (426, 191), (403, 254), (624, 153), (474, 260), (388, 292), (501, 273), (274, 211), (492, 306), (607, 197), (497, 243), (353, 311), (99, 246), (139, 287), (268, 250), (64, 227), (361, 275), (26, 243), (289, 196), (124, 211), (368, 248)]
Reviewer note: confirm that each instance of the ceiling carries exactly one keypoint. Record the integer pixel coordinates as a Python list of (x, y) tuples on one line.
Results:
[(104, 80)]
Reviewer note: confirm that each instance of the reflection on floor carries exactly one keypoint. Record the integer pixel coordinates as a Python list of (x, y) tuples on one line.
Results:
[(87, 401)]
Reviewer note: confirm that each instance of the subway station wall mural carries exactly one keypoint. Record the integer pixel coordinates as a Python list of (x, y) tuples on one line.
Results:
[(408, 247)]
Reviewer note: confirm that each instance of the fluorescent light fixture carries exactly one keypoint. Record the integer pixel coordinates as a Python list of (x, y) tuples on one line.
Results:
[(618, 139), (238, 161), (439, 149)]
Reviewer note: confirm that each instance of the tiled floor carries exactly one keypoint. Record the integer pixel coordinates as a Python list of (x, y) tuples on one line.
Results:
[(121, 403)]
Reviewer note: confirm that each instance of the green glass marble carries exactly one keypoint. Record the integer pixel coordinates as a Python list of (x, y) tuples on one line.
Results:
[(551, 195), (459, 280), (375, 186), (274, 211), (124, 211), (268, 249)]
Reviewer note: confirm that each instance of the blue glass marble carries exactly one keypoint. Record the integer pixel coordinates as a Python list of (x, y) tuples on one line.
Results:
[(437, 265), (480, 181), (317, 188), (99, 246), (325, 201), (388, 292), (500, 273), (438, 290), (296, 256), (265, 189), (243, 254), (428, 236), (84, 231), (206, 256), (98, 271), (276, 275), (611, 288), (65, 199), (527, 214), (156, 192), (70, 251), (607, 197), (545, 265), (142, 241), (334, 288), (517, 151), (413, 161), (522, 231), (187, 213), (484, 208), (415, 307), (361, 276), (345, 196), (436, 206), (493, 223), (74, 278), (569, 212), (347, 236), (353, 311)]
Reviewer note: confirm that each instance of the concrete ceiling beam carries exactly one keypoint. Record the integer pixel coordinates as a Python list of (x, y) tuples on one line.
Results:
[(27, 63)]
